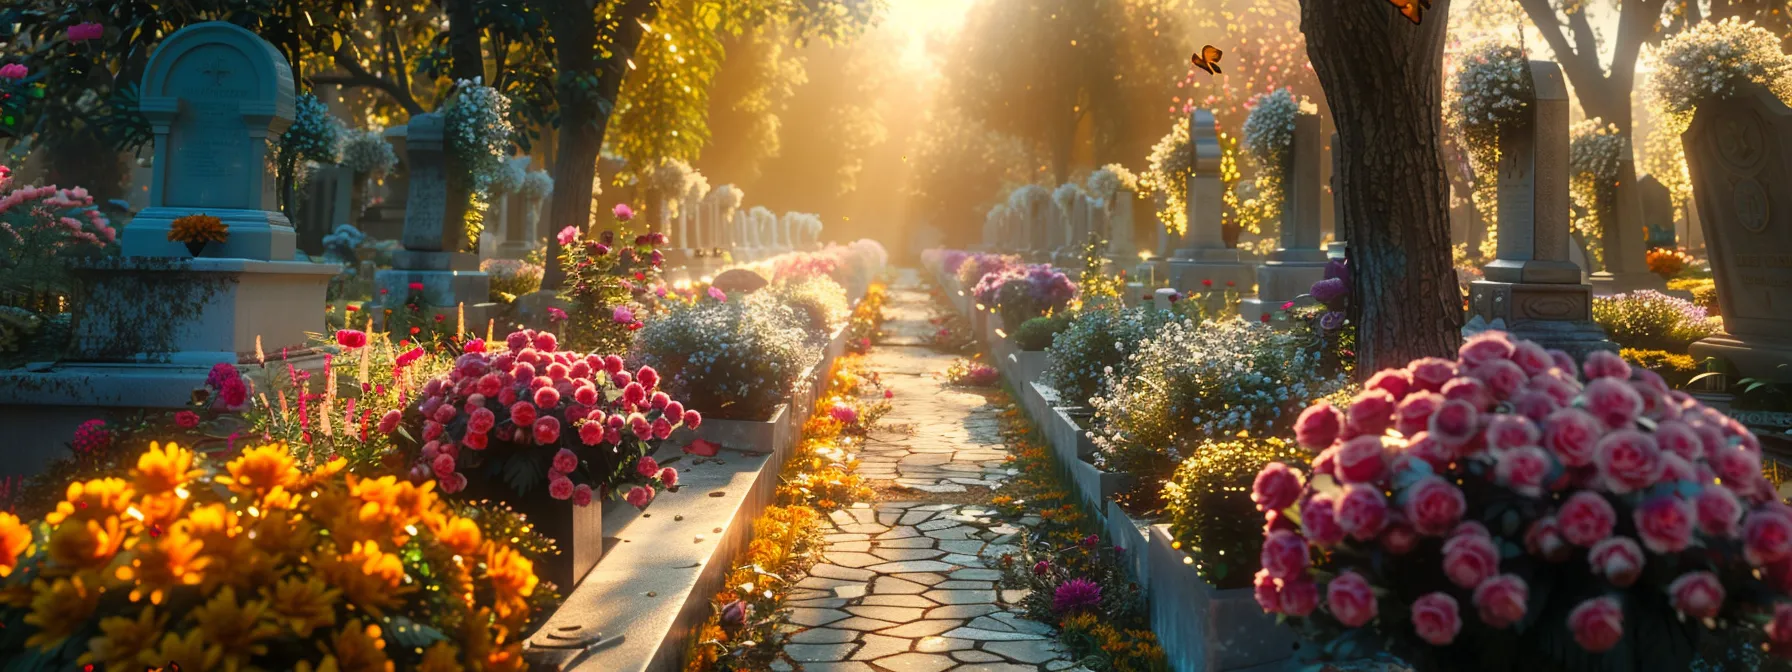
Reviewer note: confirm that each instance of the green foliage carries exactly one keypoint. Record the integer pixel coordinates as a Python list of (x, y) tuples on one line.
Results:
[(1210, 510), (1649, 320), (1037, 333), (735, 359), (1094, 285), (606, 306), (1096, 340), (1676, 369), (818, 298)]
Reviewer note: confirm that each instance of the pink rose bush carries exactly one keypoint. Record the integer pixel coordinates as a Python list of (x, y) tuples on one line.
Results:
[(588, 422), (1519, 496)]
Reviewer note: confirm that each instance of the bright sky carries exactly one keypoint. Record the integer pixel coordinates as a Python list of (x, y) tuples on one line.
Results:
[(916, 20)]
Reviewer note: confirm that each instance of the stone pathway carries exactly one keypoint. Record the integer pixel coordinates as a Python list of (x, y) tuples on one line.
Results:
[(913, 586)]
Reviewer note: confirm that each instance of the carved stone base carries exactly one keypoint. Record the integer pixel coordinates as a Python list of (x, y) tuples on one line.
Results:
[(1752, 356), (1278, 282), (1188, 276), (1558, 316)]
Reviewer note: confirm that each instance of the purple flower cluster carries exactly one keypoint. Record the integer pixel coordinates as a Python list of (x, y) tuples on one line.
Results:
[(1076, 595), (975, 267), (952, 259), (1334, 293)]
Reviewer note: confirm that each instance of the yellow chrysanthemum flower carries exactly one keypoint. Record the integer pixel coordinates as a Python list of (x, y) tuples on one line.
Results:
[(322, 473), (165, 563), (368, 577), (360, 649), (304, 605), (160, 470), (123, 640), (261, 469), (512, 577), (15, 537), (190, 651), (60, 609), (92, 500), (460, 535), (85, 544), (235, 629)]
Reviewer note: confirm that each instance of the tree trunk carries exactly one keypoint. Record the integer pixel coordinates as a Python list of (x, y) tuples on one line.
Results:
[(585, 111), (1384, 78), (463, 41)]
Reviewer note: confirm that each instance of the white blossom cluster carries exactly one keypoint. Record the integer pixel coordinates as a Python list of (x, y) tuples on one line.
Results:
[(1594, 149), (537, 184), (1194, 381), (508, 179), (366, 152), (1491, 88), (1269, 130), (1108, 181), (314, 135), (479, 131), (1167, 170), (1712, 60), (1065, 196)]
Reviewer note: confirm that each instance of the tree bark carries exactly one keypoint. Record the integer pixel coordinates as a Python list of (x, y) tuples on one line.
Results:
[(1383, 77), (585, 111), (463, 41)]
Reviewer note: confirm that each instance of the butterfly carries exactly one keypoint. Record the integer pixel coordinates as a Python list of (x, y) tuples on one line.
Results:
[(1208, 59), (1413, 10)]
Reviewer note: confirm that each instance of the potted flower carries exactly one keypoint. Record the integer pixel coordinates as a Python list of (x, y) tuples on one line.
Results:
[(195, 231), (1509, 509), (550, 432)]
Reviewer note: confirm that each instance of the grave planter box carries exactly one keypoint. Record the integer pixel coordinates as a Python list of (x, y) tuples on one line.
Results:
[(1204, 629), (1095, 487), (1133, 536), (1023, 366), (770, 436)]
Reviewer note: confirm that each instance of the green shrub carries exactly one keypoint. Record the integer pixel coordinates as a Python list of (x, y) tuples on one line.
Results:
[(1210, 510), (1191, 383), (736, 359), (511, 278), (1037, 333), (817, 298), (1094, 341), (1676, 369), (1650, 320)]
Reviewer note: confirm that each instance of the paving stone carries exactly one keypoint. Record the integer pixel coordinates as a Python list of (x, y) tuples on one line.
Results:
[(892, 585), (978, 574), (819, 653), (942, 644), (960, 532), (921, 628), (940, 524), (907, 553), (878, 646), (1037, 651), (824, 636), (841, 518), (962, 611), (864, 528), (892, 614), (961, 596), (853, 559), (911, 542), (838, 537), (828, 571), (781, 666), (963, 546), (849, 666), (1015, 596), (987, 635), (818, 603), (923, 579), (862, 623), (850, 546), (850, 592), (814, 617), (899, 532), (915, 517), (1022, 624), (916, 662), (907, 566), (1058, 665), (966, 585), (974, 656), (980, 667), (897, 601), (987, 623)]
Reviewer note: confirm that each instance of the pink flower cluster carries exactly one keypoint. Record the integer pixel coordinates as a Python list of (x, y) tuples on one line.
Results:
[(589, 416), (228, 390), (67, 214), (1621, 472)]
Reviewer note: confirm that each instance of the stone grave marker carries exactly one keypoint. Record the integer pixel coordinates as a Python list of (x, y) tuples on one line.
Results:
[(1737, 152), (1658, 212), (1625, 234), (1532, 289), (1298, 262), (1203, 254), (435, 237)]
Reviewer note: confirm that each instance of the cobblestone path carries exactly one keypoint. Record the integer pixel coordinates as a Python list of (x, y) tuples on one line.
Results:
[(910, 583)]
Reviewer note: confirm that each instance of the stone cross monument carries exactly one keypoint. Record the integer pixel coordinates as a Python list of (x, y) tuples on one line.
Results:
[(434, 235), (1532, 289)]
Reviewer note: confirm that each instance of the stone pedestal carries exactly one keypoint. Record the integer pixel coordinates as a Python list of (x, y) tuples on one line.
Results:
[(1532, 289)]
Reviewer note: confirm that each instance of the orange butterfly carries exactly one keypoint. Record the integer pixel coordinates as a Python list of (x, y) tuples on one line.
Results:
[(1413, 10), (1208, 59)]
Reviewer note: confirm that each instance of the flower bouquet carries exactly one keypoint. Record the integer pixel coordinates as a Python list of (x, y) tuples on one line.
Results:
[(1508, 508), (535, 414), (609, 288)]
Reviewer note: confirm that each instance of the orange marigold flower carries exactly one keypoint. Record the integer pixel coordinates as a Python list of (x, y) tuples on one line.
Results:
[(85, 544), (164, 563), (460, 535), (60, 609), (236, 630), (512, 577), (15, 537), (161, 470), (261, 469), (92, 500), (200, 228), (303, 605)]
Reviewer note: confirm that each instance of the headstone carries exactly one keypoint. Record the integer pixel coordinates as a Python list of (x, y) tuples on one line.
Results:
[(1119, 213), (1625, 234), (1204, 254), (213, 100), (1337, 247), (1737, 151), (1658, 212), (1531, 288), (326, 202), (386, 220), (1298, 262), (434, 233), (154, 322), (519, 234)]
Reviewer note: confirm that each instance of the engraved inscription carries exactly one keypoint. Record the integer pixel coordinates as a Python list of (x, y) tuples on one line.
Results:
[(1751, 205), (1741, 143)]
